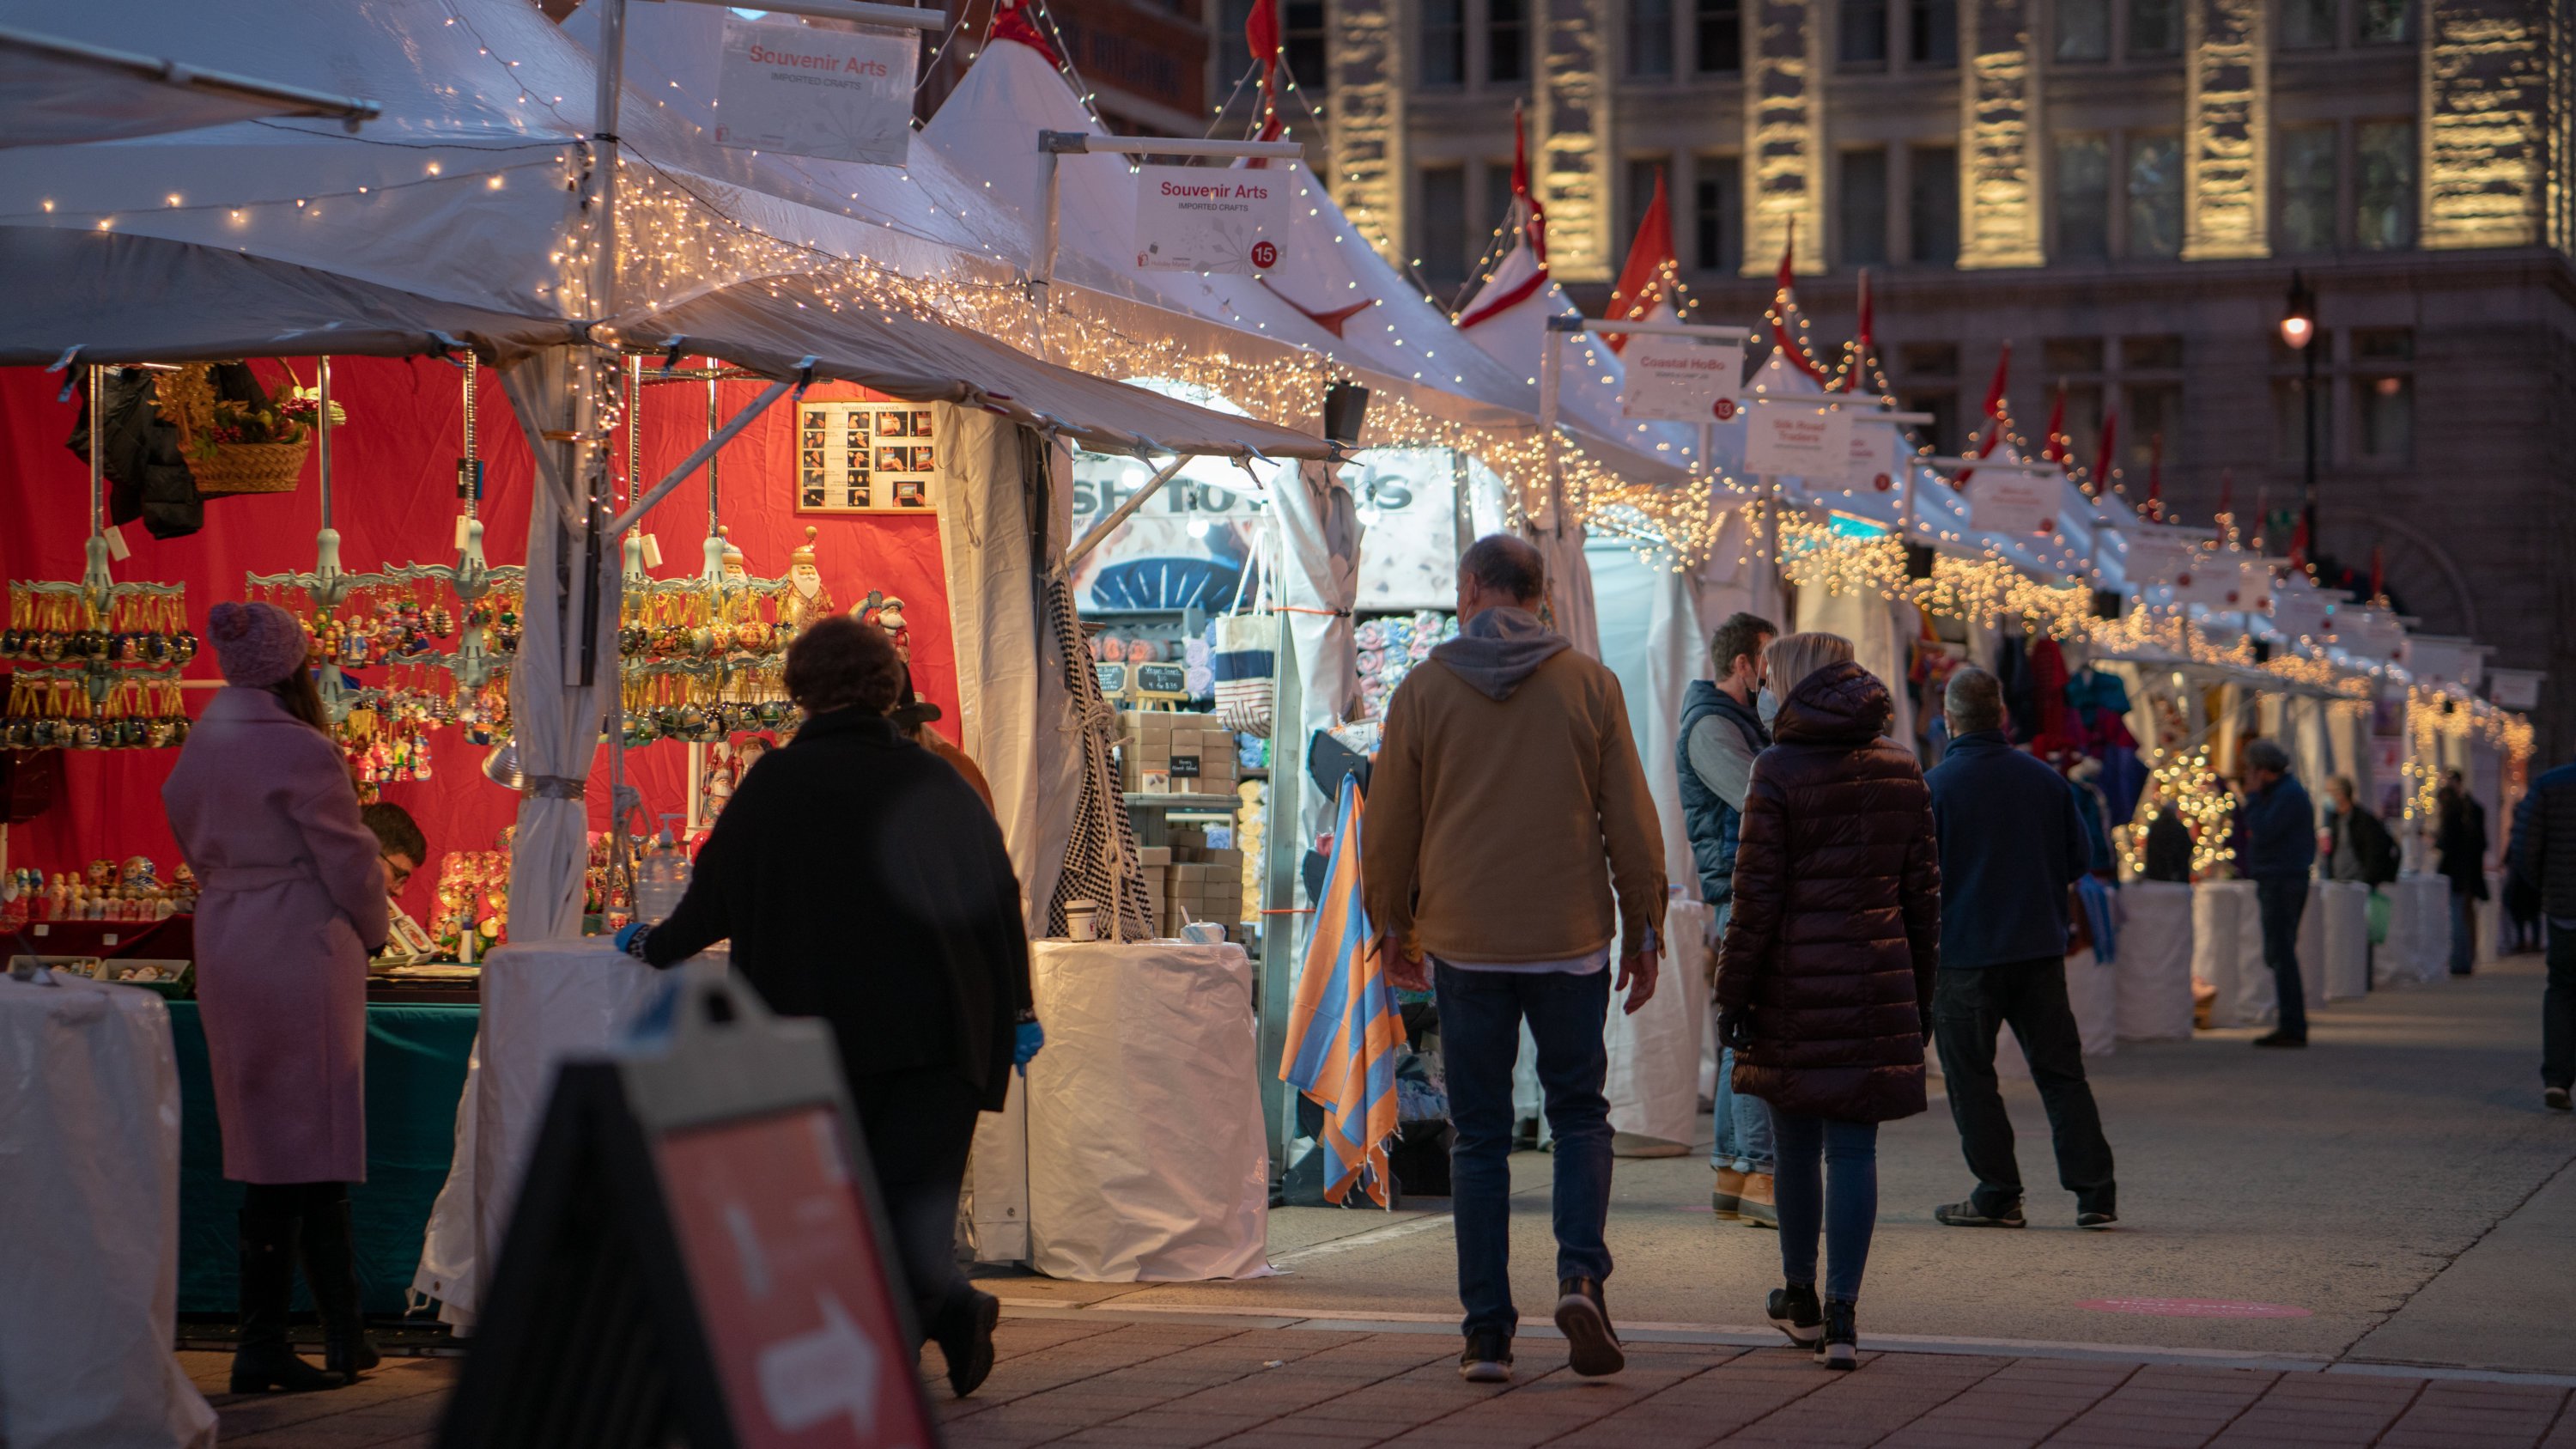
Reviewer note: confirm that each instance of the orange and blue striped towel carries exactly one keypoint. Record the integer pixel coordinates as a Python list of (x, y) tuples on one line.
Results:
[(1343, 1031)]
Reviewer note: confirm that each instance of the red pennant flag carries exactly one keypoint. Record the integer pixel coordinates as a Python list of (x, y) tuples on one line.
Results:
[(1011, 21), (1641, 287), (1261, 37), (1863, 341), (2299, 544), (2055, 449), (1532, 220), (2105, 460), (1784, 301), (1994, 414)]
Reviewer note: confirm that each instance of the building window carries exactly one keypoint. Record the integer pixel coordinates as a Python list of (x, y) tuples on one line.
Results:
[(2307, 217), (2384, 344), (2063, 355), (2385, 411), (2155, 27), (1643, 172), (2290, 419), (1717, 242), (1935, 32), (1932, 204), (1860, 207), (1720, 35), (1942, 433), (2307, 24), (1444, 42), (1863, 26), (1650, 39), (2386, 22), (1498, 192), (1928, 359), (1441, 248), (2155, 194), (1301, 35), (2383, 185), (2083, 426), (2151, 354), (2083, 29), (1233, 50), (2083, 183), (2149, 410), (1507, 33)]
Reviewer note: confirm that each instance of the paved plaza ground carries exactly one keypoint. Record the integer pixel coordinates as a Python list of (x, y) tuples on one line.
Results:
[(2373, 1242)]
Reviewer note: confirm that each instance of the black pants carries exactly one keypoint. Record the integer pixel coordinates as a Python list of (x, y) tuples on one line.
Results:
[(920, 1127), (1967, 1009), (2558, 1012)]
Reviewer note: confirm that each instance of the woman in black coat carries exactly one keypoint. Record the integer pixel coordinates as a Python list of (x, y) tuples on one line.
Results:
[(862, 880), (1824, 984), (2460, 854)]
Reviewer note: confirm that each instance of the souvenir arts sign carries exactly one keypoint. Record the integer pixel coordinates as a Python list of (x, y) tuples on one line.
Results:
[(838, 95)]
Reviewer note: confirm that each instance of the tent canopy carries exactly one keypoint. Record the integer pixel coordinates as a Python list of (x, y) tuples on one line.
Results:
[(56, 92)]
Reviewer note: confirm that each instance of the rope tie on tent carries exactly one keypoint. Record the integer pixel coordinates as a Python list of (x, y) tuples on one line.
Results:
[(554, 787)]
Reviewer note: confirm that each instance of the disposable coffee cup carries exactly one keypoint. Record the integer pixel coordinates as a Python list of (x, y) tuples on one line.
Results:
[(1080, 918)]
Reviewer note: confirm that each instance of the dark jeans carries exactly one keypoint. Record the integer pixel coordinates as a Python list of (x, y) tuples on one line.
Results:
[(1828, 1182), (920, 1127), (2464, 931), (1967, 1008), (2279, 904), (2558, 1012), (1480, 1037)]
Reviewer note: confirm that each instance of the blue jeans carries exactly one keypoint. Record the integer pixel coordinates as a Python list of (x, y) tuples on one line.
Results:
[(2279, 904), (1743, 1123), (1480, 1036), (2463, 932), (1828, 1184)]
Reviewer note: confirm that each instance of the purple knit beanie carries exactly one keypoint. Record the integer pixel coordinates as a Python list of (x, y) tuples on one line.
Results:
[(256, 645)]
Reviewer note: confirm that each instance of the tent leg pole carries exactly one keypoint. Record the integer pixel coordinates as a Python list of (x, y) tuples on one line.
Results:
[(644, 502), (1282, 846)]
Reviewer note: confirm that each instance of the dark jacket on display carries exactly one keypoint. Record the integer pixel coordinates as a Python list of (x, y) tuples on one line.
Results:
[(1836, 930), (2011, 843), (862, 881), (2280, 832), (2544, 842), (1712, 822)]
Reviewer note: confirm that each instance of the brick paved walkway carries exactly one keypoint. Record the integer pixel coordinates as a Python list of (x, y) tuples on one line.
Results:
[(1177, 1385)]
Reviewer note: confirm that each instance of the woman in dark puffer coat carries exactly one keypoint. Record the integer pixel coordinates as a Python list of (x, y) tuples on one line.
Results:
[(1824, 983)]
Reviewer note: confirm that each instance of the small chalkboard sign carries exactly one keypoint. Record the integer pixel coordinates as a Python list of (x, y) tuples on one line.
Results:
[(696, 1254)]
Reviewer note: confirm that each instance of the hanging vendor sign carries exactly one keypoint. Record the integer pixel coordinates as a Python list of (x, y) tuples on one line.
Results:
[(2298, 610), (2014, 502), (2251, 590), (1201, 219), (1680, 379), (2441, 661), (1787, 440), (838, 95), (2159, 558)]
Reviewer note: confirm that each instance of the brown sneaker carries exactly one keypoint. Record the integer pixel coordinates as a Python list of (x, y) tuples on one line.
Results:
[(1729, 1190), (1754, 1205)]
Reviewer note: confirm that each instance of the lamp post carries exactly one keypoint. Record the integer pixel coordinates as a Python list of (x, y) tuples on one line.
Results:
[(2299, 330)]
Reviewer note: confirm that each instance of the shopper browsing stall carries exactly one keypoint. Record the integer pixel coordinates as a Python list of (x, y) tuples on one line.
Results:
[(293, 904), (862, 881)]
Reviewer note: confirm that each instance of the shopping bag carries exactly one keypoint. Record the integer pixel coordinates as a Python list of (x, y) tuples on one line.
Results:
[(1241, 656), (2378, 909)]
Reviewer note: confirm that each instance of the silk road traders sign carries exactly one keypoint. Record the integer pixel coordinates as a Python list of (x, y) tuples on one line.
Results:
[(1211, 219), (839, 95), (1797, 441)]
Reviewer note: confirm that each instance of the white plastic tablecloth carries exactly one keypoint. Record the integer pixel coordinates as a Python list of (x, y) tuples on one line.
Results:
[(89, 1200), (1653, 1083), (2418, 949), (2312, 946), (2343, 909), (1147, 1157), (2222, 912), (2154, 973), (542, 1002), (2491, 921)]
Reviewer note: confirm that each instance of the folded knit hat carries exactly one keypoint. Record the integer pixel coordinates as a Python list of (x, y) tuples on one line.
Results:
[(256, 645)]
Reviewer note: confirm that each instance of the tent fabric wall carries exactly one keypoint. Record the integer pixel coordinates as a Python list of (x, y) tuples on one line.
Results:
[(1319, 537), (1869, 622)]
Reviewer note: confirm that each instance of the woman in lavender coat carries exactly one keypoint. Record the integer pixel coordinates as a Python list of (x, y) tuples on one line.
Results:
[(293, 904)]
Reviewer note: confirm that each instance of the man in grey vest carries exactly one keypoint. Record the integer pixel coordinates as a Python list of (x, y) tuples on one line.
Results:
[(1722, 730)]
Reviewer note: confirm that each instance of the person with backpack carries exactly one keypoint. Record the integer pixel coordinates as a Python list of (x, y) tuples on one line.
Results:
[(1723, 728)]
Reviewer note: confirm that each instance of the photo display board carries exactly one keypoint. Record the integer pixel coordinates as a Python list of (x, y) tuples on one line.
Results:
[(866, 457)]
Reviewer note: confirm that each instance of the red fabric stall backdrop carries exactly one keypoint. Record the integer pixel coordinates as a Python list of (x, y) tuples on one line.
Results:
[(394, 501)]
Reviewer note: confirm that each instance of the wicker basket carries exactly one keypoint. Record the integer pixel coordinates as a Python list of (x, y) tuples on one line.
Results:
[(187, 399)]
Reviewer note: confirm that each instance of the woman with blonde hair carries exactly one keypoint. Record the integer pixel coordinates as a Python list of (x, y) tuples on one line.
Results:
[(1824, 982)]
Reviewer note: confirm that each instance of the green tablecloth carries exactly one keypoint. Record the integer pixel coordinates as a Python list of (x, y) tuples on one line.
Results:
[(415, 1074)]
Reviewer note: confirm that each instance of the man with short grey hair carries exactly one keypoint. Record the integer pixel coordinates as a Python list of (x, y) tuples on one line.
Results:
[(2012, 842), (2280, 850)]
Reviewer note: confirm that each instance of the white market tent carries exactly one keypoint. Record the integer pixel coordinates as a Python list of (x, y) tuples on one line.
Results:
[(57, 92)]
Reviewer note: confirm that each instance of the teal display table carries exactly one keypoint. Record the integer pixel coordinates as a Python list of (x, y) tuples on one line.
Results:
[(415, 1074)]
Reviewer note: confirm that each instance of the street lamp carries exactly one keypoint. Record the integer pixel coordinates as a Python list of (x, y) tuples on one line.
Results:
[(2299, 330)]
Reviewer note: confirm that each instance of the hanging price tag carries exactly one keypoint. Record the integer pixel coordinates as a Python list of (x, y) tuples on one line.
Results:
[(652, 552), (116, 548)]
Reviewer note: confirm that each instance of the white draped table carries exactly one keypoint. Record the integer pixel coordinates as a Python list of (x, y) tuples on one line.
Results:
[(1653, 1083)]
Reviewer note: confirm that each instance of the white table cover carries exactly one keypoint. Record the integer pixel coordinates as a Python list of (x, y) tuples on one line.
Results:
[(2312, 947), (2418, 949), (2093, 989), (542, 1002), (2155, 961), (2491, 921), (1148, 1162), (89, 1200), (2221, 912), (2344, 908), (1654, 1055)]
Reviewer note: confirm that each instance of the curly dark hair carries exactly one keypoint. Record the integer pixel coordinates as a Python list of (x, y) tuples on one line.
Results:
[(840, 663)]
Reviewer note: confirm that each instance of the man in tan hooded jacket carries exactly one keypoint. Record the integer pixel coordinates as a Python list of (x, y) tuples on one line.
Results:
[(1510, 839)]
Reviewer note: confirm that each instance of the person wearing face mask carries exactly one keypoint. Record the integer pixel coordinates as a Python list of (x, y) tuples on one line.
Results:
[(1725, 723)]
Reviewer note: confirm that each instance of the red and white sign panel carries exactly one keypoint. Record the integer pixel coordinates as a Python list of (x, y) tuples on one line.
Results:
[(791, 1292), (2297, 610), (1211, 219), (2014, 502), (2155, 559), (1680, 379), (1788, 440), (840, 95)]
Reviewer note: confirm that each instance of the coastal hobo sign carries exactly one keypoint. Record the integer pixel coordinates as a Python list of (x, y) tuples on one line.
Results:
[(1210, 219), (1680, 379), (2014, 502), (839, 95)]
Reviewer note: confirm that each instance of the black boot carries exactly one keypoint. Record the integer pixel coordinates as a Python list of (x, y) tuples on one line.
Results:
[(963, 1328), (265, 1360), (331, 1272)]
